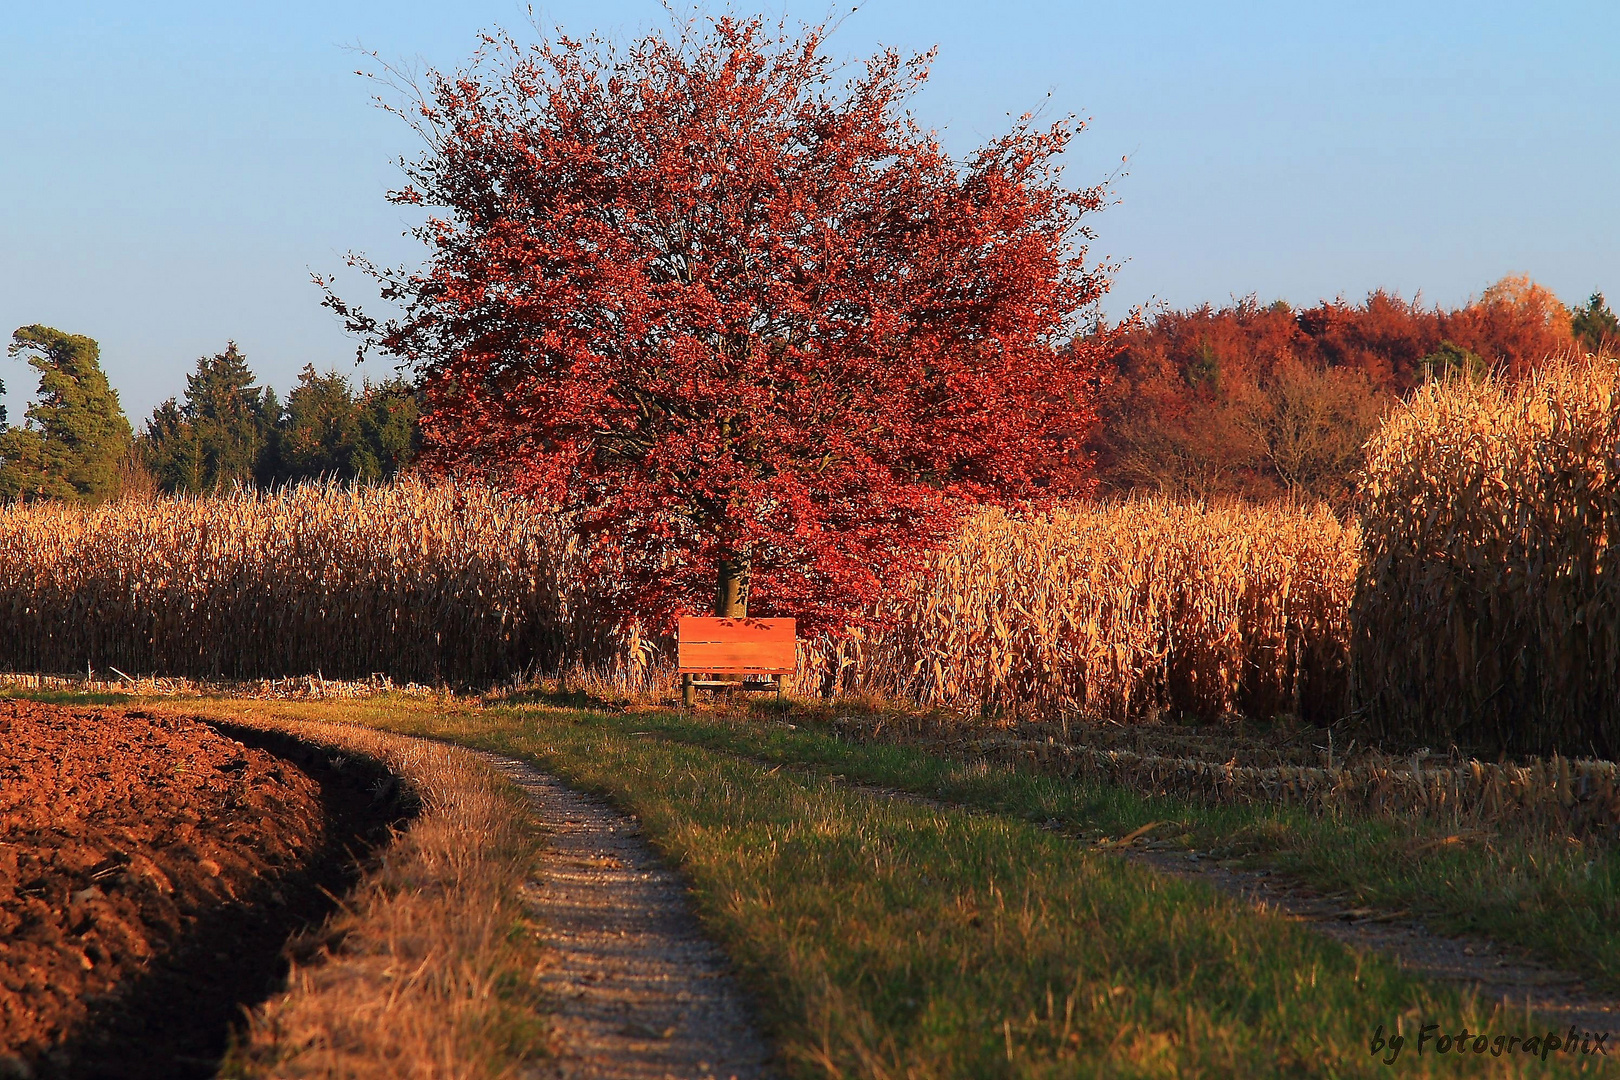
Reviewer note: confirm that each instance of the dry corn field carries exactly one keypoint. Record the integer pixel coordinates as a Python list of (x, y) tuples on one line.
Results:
[(1488, 612), (1123, 613), (1484, 611), (1118, 612), (435, 584)]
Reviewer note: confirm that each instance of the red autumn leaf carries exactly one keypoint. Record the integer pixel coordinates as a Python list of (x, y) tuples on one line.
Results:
[(727, 312)]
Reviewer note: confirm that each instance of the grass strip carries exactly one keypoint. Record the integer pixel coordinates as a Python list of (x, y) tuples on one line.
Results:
[(884, 938), (425, 970), (1558, 899)]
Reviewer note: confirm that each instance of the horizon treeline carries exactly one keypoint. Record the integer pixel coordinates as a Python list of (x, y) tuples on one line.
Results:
[(228, 430), (1246, 401), (1261, 402)]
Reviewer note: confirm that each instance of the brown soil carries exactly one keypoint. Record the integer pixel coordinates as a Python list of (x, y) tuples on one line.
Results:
[(151, 871)]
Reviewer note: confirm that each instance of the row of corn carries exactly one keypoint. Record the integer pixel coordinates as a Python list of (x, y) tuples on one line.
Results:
[(1121, 612), (436, 584), (1487, 612)]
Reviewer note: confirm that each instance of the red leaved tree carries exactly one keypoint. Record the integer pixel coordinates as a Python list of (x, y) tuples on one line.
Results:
[(750, 324)]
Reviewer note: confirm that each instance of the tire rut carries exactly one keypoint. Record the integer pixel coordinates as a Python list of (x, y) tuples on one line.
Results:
[(1474, 964), (1478, 965)]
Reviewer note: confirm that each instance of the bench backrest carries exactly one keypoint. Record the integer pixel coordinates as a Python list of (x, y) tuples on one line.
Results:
[(737, 646)]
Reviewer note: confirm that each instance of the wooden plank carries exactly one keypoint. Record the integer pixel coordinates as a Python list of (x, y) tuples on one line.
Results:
[(742, 656), (750, 646)]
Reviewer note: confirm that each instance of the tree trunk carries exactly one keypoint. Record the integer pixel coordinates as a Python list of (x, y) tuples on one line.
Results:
[(731, 591)]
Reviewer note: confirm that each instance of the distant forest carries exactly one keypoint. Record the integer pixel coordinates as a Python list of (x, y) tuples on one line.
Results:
[(1251, 401), (226, 430), (1261, 401)]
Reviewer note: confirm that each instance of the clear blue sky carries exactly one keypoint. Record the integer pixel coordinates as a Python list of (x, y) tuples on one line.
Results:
[(171, 173)]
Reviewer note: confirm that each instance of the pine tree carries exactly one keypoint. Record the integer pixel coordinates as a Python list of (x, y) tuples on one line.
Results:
[(216, 439), (319, 431), (170, 449), (390, 435), (1451, 360), (1595, 326), (328, 430), (76, 435)]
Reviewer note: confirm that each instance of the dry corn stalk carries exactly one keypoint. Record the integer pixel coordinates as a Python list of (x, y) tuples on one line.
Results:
[(1122, 612), (1488, 610), (447, 583)]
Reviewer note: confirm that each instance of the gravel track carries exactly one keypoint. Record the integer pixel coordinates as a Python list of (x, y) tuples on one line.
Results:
[(638, 992)]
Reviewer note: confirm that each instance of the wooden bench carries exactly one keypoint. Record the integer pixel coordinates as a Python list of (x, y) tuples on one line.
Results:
[(733, 654)]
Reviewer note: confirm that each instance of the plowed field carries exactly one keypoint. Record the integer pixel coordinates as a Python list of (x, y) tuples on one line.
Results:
[(151, 871)]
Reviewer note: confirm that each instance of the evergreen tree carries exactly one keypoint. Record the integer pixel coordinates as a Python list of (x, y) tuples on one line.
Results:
[(170, 449), (319, 430), (1451, 360), (389, 430), (76, 436), (216, 439), (1595, 326), (327, 430)]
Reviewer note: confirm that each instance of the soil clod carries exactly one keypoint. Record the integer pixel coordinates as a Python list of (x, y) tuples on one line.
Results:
[(140, 861)]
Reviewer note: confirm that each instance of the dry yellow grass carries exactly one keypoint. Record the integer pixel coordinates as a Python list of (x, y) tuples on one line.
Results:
[(1555, 796), (1488, 610), (431, 976), (1123, 612), (450, 583)]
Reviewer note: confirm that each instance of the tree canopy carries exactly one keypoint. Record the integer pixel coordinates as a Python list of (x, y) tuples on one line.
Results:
[(1261, 401), (228, 431), (753, 325), (76, 437), (215, 439), (327, 430), (1595, 326)]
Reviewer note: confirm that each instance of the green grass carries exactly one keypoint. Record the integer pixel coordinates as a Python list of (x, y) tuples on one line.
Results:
[(885, 938), (1557, 899), (64, 697)]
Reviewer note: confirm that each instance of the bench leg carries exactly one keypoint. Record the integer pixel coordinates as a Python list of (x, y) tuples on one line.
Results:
[(688, 691)]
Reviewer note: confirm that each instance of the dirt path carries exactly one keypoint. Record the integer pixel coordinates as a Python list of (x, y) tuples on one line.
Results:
[(639, 993), (1473, 964), (1494, 973)]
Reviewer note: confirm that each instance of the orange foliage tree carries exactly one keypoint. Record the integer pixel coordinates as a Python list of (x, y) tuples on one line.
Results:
[(1266, 401)]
